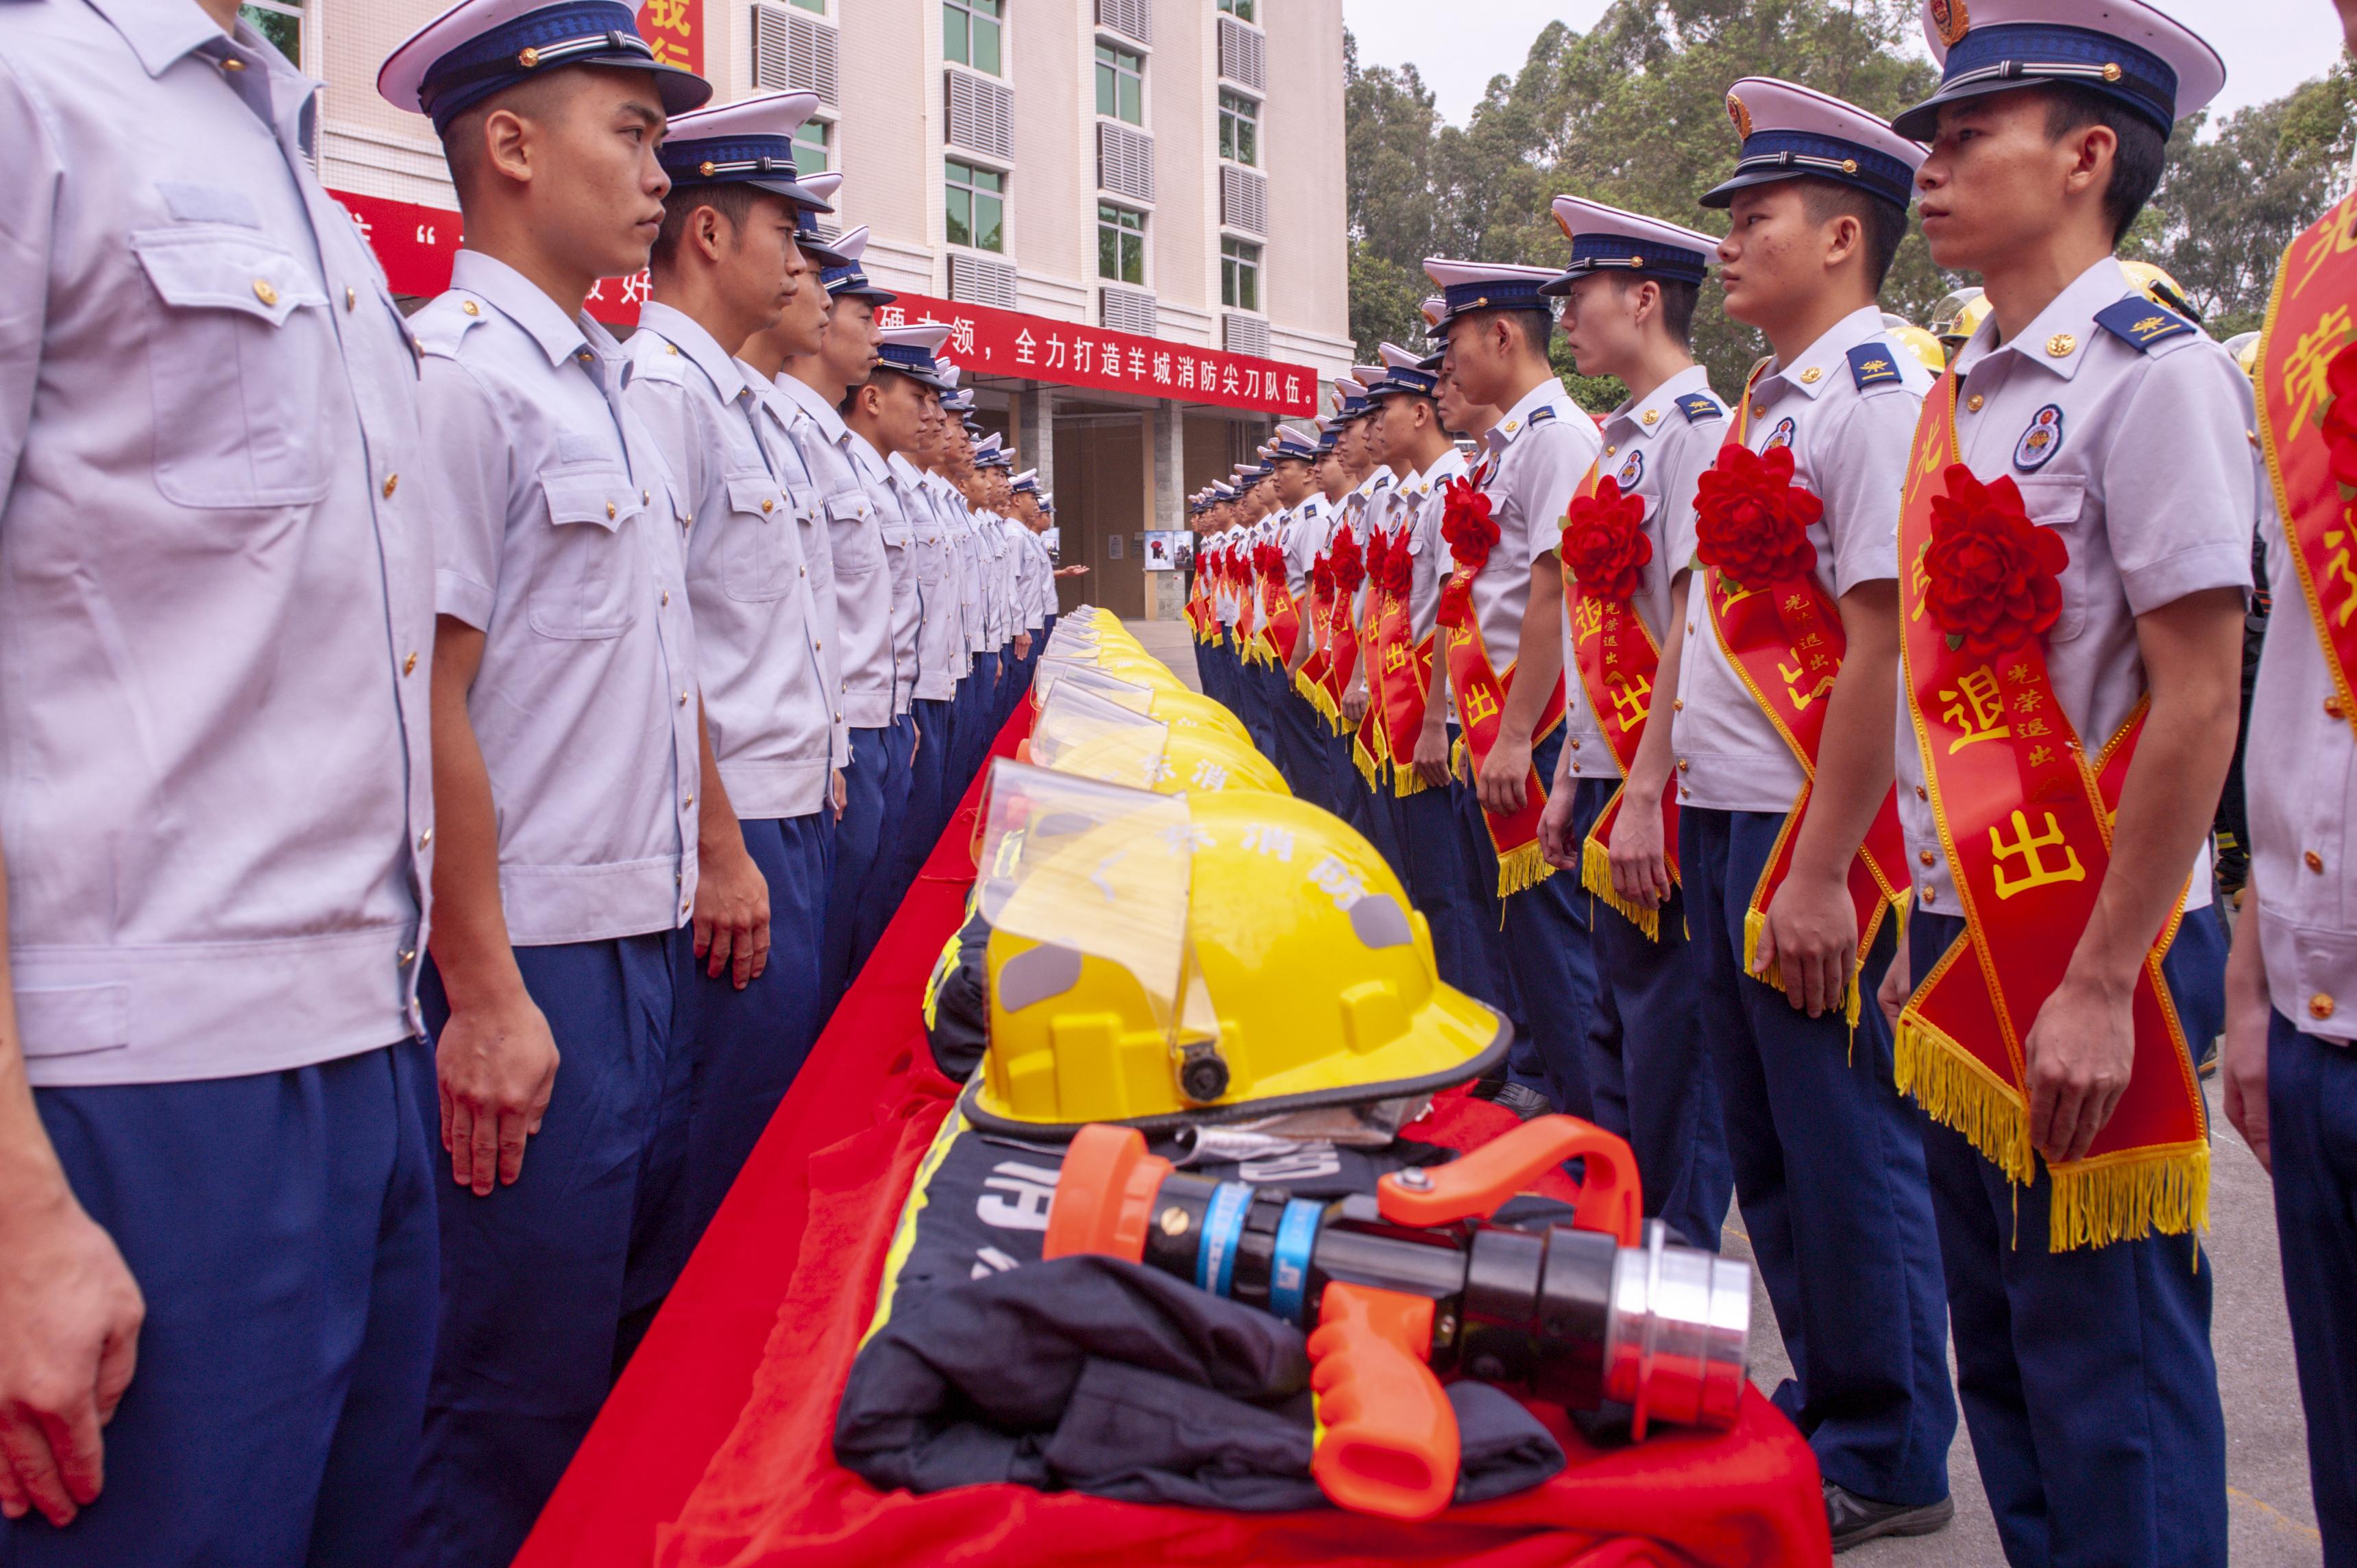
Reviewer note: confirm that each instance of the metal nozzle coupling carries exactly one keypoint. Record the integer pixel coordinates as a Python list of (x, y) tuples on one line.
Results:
[(1675, 1341)]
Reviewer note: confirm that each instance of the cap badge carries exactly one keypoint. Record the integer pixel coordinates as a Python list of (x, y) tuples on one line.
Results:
[(1741, 115), (1952, 20), (528, 58)]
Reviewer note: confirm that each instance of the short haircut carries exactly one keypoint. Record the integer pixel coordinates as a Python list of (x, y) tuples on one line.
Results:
[(733, 199), (462, 138), (1679, 298), (1884, 222), (2143, 146), (851, 396), (1537, 325)]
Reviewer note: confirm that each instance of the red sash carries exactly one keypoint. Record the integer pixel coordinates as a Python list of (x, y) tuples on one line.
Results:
[(1616, 657), (1480, 692), (1348, 563), (1283, 625), (1310, 680), (1784, 639), (1406, 670), (2307, 366), (2025, 816)]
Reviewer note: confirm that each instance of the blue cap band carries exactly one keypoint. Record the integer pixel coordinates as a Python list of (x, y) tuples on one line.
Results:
[(574, 32), (1597, 252), (2021, 54), (1785, 154), (1494, 294)]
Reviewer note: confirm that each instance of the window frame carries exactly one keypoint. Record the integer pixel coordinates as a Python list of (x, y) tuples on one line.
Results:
[(1229, 116), (974, 194), (1240, 274), (294, 11), (825, 144), (1127, 64), (1108, 226), (1245, 11), (963, 54)]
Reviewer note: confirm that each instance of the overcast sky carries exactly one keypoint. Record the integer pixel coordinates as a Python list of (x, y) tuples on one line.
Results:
[(2269, 46)]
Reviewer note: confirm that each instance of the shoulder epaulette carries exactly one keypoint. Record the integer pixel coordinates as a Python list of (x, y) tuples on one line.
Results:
[(1699, 406), (2139, 323), (1874, 365), (1539, 414)]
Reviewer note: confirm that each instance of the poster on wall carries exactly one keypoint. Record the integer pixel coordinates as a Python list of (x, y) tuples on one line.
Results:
[(1169, 550)]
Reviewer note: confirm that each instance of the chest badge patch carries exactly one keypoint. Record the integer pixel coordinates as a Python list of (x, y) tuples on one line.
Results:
[(1780, 436), (2040, 441), (1631, 472)]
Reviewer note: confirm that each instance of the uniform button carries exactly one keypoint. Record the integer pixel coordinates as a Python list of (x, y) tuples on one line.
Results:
[(2333, 708), (1682, 765), (264, 292), (1678, 704), (816, 645), (1610, 450), (1924, 855), (610, 510), (666, 598), (1931, 894), (838, 718), (391, 483), (233, 63), (1575, 743), (769, 505), (471, 307), (409, 665), (1920, 794), (426, 838), (1575, 768), (1973, 404), (351, 296), (583, 356), (2321, 1005), (686, 906), (803, 571), (682, 699), (1689, 629), (648, 497), (2315, 861), (408, 957), (688, 804), (1758, 409)]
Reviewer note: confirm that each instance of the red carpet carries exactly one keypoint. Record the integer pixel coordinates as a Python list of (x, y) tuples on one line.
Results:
[(715, 1448)]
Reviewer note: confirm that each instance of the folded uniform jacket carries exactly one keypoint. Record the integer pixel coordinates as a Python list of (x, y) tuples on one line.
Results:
[(957, 1000), (1102, 1376)]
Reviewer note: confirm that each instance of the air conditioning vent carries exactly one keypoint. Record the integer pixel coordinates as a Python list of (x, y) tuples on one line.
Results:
[(981, 114), (974, 281), (1124, 161), (1243, 199), (1245, 335), (793, 53), (1241, 52), (1131, 18), (1126, 310)]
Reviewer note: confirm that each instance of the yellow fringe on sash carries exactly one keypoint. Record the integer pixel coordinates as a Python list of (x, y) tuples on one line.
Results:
[(1596, 876), (1956, 1089), (1522, 868), (1314, 693), (2129, 1196), (1755, 921), (1406, 781), (1370, 767)]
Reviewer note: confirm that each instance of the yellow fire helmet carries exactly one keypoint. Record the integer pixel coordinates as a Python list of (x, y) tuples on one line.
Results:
[(1955, 318), (1927, 350), (2244, 347), (1184, 710), (1164, 960), (2160, 288)]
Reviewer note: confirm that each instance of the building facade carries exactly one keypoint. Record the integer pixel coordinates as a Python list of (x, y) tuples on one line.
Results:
[(1130, 212)]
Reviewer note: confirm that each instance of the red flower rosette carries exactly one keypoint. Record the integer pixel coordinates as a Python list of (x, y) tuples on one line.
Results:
[(1398, 573), (2341, 416), (1378, 555), (1752, 522), (1270, 560), (1604, 543), (1466, 523), (1349, 563), (1321, 578), (1993, 578)]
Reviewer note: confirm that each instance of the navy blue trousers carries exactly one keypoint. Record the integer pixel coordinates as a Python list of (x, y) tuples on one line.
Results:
[(1543, 941), (929, 802), (881, 897), (1829, 1167), (1303, 754), (281, 1227), (1647, 1069), (546, 1283), (1254, 709), (862, 840), (750, 1044), (976, 728), (2313, 1123), (1465, 938), (2086, 1376)]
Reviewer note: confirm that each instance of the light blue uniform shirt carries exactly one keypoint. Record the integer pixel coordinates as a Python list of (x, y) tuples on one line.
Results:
[(558, 534), (216, 566)]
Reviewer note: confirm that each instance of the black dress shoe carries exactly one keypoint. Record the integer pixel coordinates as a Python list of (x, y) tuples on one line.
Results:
[(1854, 1520), (1523, 1100)]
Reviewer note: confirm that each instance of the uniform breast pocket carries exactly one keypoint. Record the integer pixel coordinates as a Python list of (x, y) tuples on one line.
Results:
[(932, 560), (898, 537), (851, 524), (763, 553), (241, 345), (2059, 502), (588, 583)]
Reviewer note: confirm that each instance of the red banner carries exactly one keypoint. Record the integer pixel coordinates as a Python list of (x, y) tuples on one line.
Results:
[(417, 245), (675, 29)]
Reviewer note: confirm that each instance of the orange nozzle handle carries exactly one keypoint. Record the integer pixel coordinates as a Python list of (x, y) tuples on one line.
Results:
[(1475, 1184), (1106, 1195), (1387, 1439)]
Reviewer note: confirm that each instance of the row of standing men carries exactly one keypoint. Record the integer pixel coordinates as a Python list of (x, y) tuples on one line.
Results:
[(651, 669), (1881, 948)]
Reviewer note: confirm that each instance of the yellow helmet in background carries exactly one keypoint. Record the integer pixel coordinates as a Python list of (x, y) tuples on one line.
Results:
[(2244, 347), (1297, 976), (1188, 760), (1184, 710), (2161, 289), (1926, 348), (1955, 318)]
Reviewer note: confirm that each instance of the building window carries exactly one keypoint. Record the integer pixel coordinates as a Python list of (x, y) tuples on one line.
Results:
[(1121, 244), (817, 6), (977, 205), (1239, 274), (970, 32), (814, 147), (1239, 128), (1242, 10), (281, 25), (1121, 84)]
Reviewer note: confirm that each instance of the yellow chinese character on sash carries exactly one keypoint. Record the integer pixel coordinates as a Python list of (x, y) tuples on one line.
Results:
[(1930, 464), (2038, 874), (1733, 593), (1480, 704), (1587, 620), (1395, 657), (2017, 673), (2040, 756), (2329, 239), (1460, 637), (1801, 699), (2336, 565), (2310, 356), (2028, 702), (1628, 697), (1921, 574), (1795, 603), (1978, 706)]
